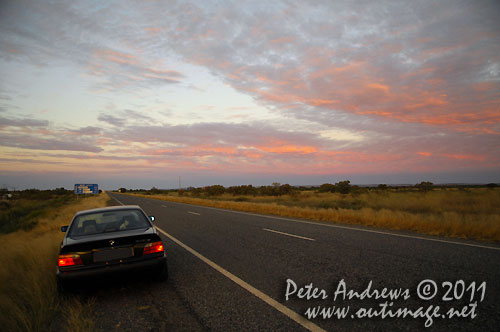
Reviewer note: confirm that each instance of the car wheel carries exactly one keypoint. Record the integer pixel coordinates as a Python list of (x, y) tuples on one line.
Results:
[(162, 273)]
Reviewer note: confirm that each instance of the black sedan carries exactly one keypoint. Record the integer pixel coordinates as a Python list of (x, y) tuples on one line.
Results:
[(110, 240)]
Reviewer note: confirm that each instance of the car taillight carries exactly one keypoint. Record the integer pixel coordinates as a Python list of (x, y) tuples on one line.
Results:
[(69, 260), (152, 248)]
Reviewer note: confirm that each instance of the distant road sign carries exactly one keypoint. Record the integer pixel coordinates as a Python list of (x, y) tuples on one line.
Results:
[(86, 188)]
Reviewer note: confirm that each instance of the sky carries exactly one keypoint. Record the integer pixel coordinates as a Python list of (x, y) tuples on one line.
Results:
[(136, 94)]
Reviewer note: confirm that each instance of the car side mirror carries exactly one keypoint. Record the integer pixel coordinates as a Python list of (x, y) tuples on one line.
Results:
[(152, 218), (64, 229)]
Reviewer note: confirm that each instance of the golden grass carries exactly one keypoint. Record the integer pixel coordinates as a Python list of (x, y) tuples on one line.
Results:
[(79, 315), (471, 213), (28, 294)]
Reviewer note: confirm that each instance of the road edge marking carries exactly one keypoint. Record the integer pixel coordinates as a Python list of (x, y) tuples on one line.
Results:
[(335, 226), (287, 234), (116, 199), (266, 298), (195, 213)]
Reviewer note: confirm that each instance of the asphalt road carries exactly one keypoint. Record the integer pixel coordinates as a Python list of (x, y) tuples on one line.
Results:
[(229, 272)]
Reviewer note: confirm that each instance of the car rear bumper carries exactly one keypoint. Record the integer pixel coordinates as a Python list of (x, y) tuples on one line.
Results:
[(152, 264)]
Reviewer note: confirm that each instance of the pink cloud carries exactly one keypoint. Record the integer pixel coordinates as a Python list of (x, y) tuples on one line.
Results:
[(424, 153), (465, 157)]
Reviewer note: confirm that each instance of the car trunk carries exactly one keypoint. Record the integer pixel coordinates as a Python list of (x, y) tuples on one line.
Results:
[(109, 248)]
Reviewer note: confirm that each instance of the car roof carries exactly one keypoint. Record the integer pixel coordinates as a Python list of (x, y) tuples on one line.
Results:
[(109, 208)]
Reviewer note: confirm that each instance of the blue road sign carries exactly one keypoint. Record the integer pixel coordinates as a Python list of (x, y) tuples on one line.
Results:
[(86, 188)]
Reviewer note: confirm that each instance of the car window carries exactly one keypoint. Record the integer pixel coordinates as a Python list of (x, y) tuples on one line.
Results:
[(108, 221)]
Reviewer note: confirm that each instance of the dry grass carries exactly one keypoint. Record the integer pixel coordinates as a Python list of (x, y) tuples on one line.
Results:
[(28, 296), (470, 213), (79, 315)]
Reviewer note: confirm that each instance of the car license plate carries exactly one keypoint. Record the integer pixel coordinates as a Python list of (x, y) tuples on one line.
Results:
[(112, 254)]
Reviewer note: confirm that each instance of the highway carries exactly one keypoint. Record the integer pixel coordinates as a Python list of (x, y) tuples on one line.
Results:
[(231, 271)]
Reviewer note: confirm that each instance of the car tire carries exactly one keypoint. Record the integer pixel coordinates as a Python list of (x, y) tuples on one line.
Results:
[(162, 273)]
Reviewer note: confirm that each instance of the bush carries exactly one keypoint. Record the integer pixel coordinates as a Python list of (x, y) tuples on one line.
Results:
[(215, 190), (266, 191), (26, 206), (326, 188), (425, 186), (343, 187), (285, 189), (195, 191), (242, 190)]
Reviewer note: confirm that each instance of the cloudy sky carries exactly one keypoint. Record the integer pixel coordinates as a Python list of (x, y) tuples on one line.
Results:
[(138, 93)]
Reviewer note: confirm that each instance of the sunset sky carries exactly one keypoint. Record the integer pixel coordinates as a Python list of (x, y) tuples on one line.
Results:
[(137, 93)]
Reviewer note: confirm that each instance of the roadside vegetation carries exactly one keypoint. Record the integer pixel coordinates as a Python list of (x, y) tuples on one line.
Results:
[(29, 247), (22, 209), (471, 212)]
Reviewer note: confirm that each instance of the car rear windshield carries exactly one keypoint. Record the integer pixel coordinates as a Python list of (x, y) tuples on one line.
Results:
[(108, 221)]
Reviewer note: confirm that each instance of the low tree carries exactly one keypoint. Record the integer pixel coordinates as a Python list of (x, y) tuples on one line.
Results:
[(343, 187), (326, 188), (249, 190), (266, 190), (285, 189), (242, 190), (60, 191), (197, 192), (425, 186), (215, 190)]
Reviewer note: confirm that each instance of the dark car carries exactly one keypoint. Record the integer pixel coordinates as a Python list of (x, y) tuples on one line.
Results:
[(107, 241)]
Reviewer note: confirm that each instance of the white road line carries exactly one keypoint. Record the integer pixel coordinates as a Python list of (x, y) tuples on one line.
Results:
[(266, 298), (273, 303), (194, 213), (163, 205), (347, 227), (116, 199), (297, 236)]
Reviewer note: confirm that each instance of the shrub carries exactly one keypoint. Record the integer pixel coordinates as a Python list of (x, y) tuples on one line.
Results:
[(285, 189), (215, 190), (26, 206), (266, 191), (326, 188), (425, 186), (242, 190), (343, 187)]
